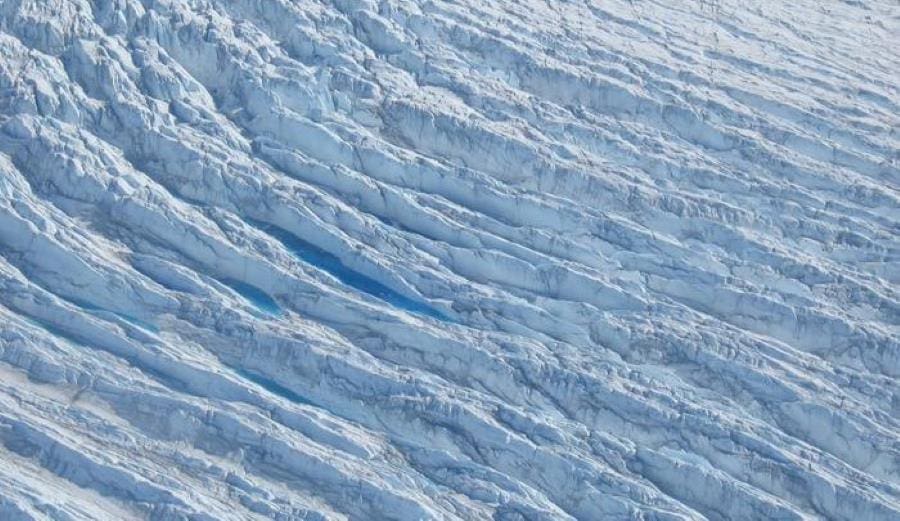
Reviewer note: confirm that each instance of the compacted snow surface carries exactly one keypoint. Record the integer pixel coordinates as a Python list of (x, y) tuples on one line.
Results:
[(449, 259)]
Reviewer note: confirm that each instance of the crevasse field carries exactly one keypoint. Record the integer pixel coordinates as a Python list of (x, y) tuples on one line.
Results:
[(449, 259)]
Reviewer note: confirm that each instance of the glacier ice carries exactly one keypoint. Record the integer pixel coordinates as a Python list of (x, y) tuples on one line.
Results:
[(449, 259)]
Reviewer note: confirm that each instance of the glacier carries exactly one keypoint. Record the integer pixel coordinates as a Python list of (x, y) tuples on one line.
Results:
[(449, 259)]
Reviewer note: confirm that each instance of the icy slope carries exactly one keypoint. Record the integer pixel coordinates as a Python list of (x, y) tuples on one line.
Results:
[(342, 259)]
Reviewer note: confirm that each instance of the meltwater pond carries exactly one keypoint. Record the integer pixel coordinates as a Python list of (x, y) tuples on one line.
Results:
[(331, 264)]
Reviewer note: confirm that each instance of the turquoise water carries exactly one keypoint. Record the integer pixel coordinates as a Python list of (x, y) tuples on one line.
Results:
[(254, 295), (323, 260), (273, 387)]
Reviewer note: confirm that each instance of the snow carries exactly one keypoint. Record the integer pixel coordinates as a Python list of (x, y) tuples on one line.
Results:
[(449, 259)]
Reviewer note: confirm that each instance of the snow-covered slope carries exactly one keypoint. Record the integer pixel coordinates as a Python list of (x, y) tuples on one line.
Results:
[(449, 259)]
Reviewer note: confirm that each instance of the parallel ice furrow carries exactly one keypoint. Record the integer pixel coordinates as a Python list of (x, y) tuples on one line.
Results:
[(451, 259)]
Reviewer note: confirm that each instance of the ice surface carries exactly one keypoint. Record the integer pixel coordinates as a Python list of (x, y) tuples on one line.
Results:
[(449, 259)]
